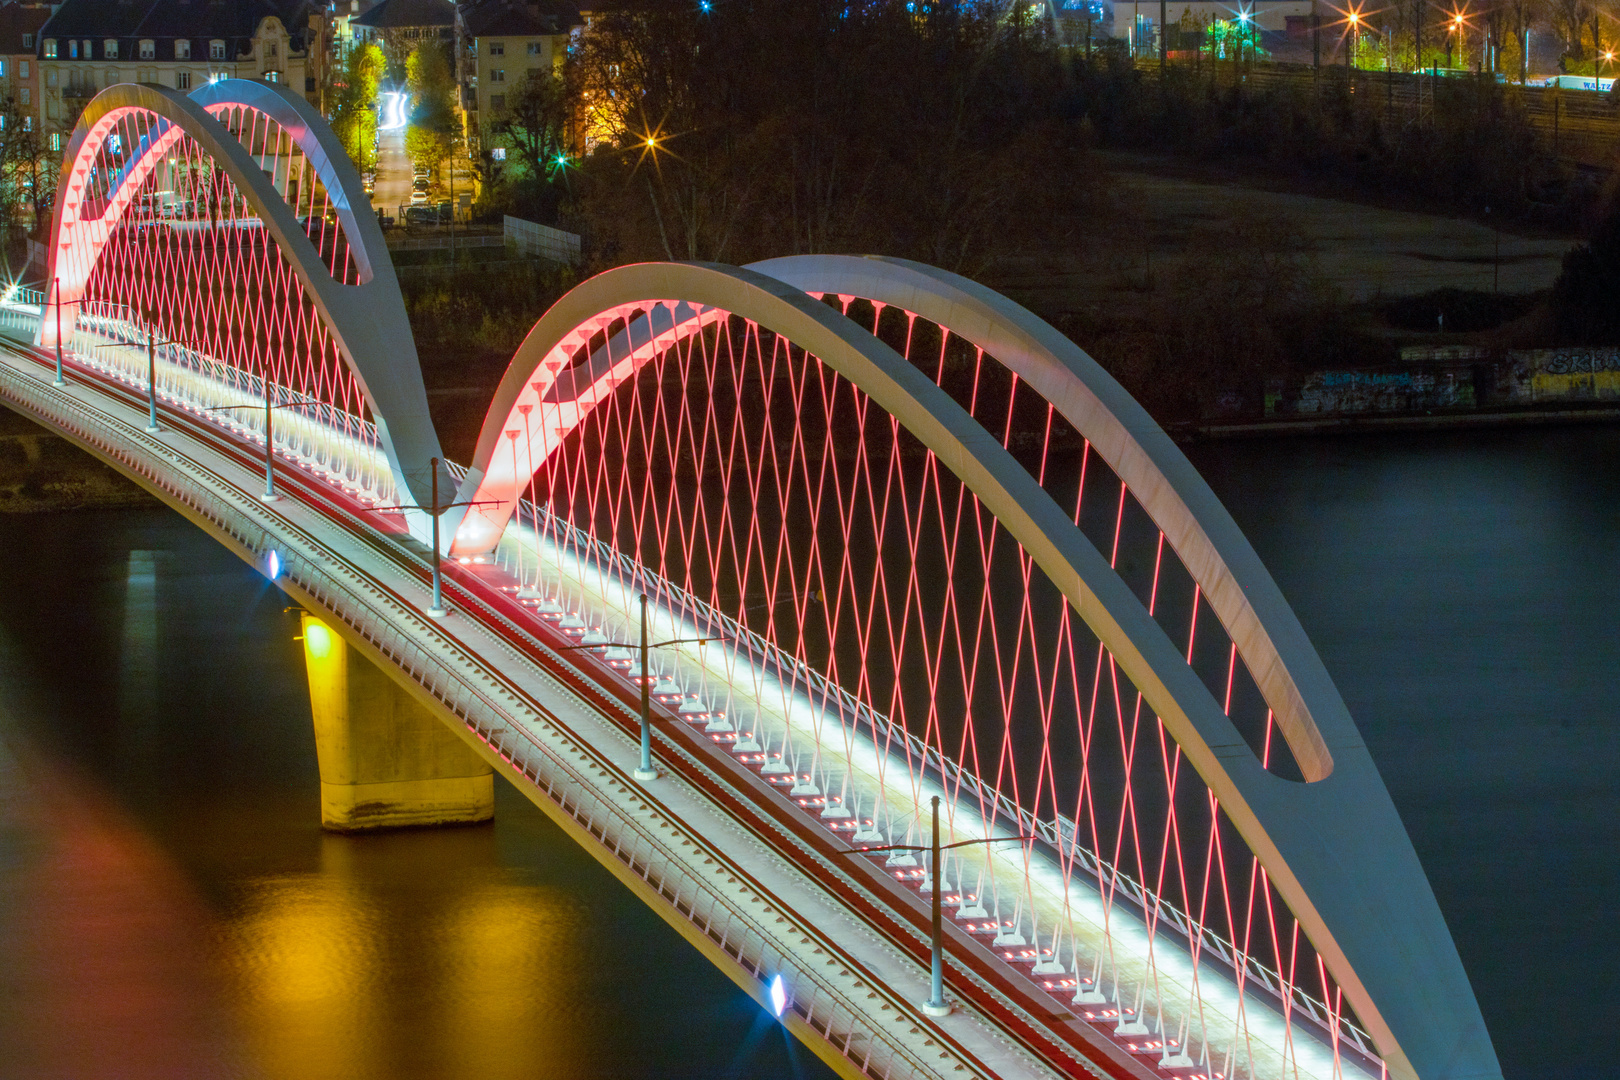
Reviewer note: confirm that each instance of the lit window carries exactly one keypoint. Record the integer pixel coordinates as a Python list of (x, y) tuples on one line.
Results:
[(182, 80), (497, 75), (182, 50), (272, 76), (216, 50), (2, 68), (73, 50), (497, 48), (114, 143), (109, 49), (22, 69), (498, 153), (148, 50), (56, 140), (28, 122), (50, 48)]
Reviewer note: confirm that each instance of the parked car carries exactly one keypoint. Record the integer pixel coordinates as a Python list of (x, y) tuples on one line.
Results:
[(421, 215), (419, 198)]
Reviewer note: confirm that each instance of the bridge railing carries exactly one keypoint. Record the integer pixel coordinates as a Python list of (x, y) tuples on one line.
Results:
[(388, 626), (639, 848), (1059, 835), (21, 308), (339, 447)]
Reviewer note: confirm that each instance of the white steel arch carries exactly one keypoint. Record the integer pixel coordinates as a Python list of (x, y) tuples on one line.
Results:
[(1334, 847), (367, 321)]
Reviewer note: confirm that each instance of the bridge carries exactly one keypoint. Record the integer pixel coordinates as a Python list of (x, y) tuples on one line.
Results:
[(755, 571)]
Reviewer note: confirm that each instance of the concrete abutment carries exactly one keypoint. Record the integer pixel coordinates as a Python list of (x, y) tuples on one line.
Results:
[(386, 761)]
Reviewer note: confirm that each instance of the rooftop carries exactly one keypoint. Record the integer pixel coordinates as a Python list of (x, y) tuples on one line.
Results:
[(397, 14), (516, 18), (172, 18), (17, 20)]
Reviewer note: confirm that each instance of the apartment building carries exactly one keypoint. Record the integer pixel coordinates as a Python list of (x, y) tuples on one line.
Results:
[(88, 45), (499, 44), (19, 69)]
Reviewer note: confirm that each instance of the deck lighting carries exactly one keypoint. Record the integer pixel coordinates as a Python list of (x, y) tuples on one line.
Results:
[(272, 565), (778, 996)]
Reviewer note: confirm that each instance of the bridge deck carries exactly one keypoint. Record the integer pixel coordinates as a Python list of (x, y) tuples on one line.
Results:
[(695, 845)]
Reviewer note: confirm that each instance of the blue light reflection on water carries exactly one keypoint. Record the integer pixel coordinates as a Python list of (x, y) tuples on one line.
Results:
[(169, 905), (167, 896)]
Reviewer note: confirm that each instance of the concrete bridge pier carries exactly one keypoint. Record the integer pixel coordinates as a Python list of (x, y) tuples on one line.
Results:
[(386, 762)]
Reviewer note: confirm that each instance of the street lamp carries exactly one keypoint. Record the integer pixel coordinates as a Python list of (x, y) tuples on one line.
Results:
[(645, 770), (269, 437), (437, 610), (60, 380), (936, 1005), (151, 368)]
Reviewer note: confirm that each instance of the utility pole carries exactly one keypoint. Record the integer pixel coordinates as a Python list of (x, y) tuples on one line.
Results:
[(151, 380), (1164, 37), (60, 381), (437, 610), (1316, 41), (269, 434), (936, 1005), (645, 770)]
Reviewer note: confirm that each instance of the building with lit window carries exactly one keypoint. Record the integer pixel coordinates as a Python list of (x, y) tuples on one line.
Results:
[(500, 43), (19, 69), (88, 45), (399, 26)]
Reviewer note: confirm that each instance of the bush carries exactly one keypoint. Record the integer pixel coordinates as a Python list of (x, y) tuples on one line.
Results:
[(1586, 297)]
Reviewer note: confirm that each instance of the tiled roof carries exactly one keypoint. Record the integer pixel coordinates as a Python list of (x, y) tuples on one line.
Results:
[(516, 18), (198, 20), (17, 20), (394, 14)]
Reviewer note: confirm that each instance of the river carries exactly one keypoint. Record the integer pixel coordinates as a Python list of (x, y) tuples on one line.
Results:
[(169, 906)]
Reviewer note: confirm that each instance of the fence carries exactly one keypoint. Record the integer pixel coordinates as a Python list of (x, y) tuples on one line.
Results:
[(442, 242), (532, 238)]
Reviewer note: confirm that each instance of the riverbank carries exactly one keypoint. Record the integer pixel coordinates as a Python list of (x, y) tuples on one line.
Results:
[(40, 471), (1343, 424)]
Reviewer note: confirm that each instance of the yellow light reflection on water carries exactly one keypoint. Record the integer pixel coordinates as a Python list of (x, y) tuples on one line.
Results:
[(513, 959), (367, 969), (304, 954)]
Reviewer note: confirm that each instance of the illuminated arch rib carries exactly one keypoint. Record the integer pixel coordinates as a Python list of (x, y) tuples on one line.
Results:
[(361, 308), (1334, 848)]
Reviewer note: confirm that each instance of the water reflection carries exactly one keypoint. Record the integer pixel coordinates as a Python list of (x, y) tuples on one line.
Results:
[(169, 906)]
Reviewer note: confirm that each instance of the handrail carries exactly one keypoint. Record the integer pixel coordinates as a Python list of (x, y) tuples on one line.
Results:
[(821, 1006), (1060, 834)]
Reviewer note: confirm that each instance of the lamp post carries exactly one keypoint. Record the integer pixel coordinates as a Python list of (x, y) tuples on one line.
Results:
[(437, 610), (936, 1005), (60, 380), (269, 436), (1316, 41), (151, 368), (645, 770)]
